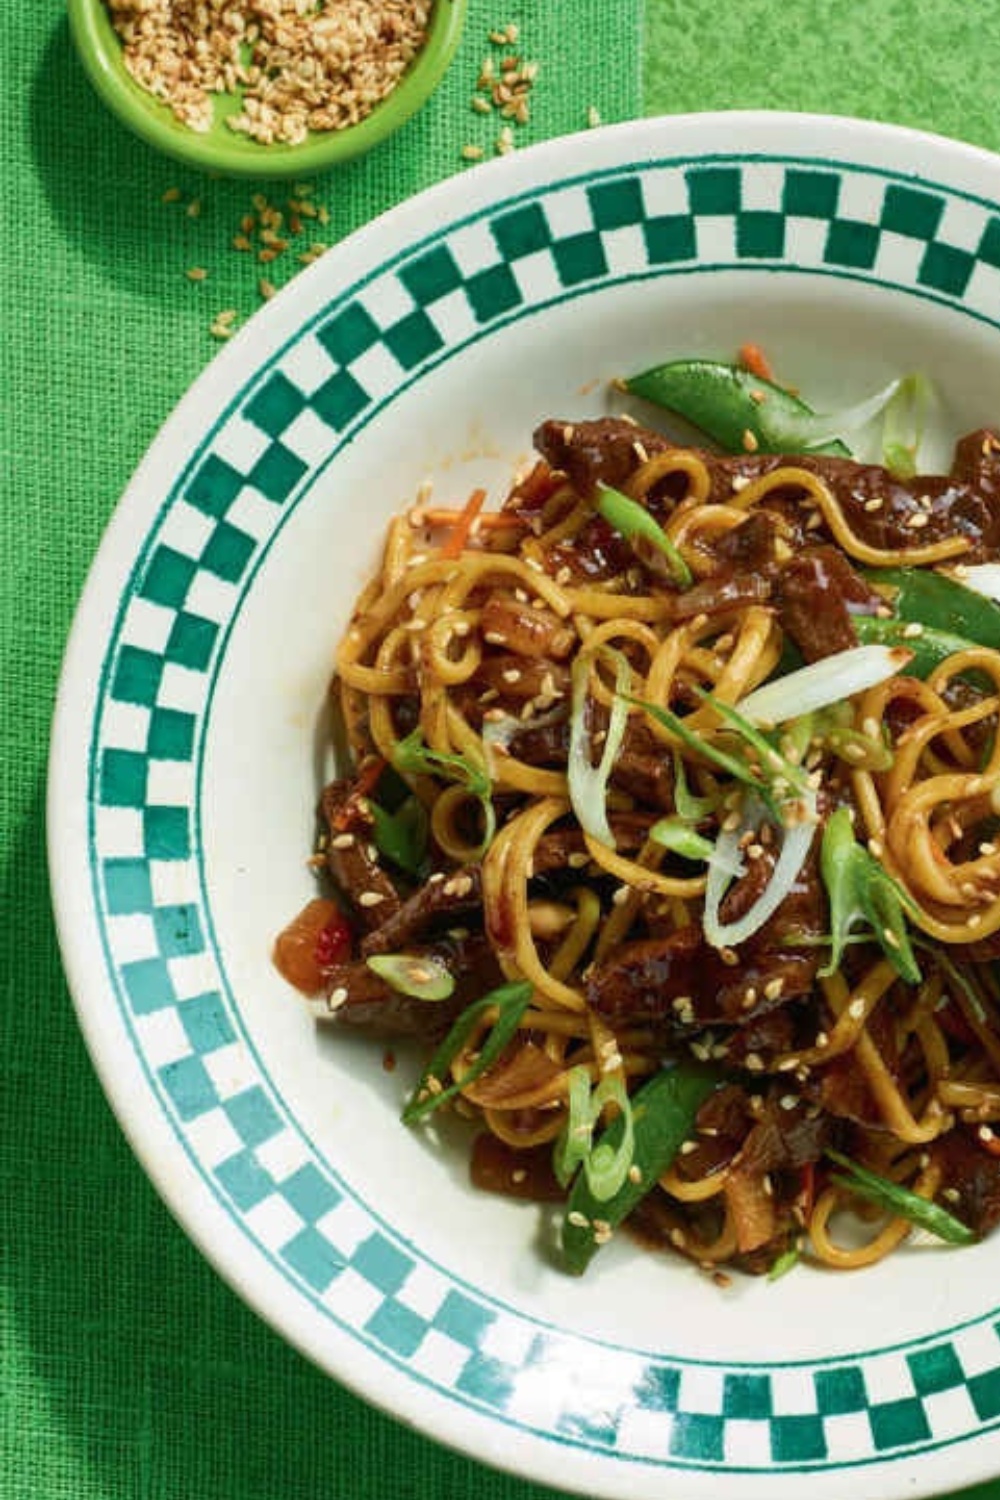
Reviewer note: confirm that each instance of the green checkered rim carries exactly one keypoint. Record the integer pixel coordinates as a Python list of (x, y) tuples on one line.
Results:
[(572, 239)]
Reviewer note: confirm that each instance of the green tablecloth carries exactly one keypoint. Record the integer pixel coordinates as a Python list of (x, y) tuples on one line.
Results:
[(127, 1369)]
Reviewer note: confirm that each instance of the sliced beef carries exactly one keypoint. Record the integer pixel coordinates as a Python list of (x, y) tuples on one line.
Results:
[(604, 451), (879, 508), (352, 857), (441, 901), (818, 594), (974, 1174)]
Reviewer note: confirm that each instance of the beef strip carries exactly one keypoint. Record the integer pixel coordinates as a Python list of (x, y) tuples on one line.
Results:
[(974, 1174), (352, 857), (818, 594), (441, 901), (965, 502), (606, 450)]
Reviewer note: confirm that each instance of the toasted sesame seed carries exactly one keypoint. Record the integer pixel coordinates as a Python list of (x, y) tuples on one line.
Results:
[(371, 898), (336, 998)]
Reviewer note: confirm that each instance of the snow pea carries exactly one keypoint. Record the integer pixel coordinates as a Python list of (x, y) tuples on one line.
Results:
[(736, 409), (930, 647), (934, 599), (664, 1110)]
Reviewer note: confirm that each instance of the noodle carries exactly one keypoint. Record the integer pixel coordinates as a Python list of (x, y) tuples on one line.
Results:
[(488, 651)]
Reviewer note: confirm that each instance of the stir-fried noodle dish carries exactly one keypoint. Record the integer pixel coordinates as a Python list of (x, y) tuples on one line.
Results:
[(670, 829)]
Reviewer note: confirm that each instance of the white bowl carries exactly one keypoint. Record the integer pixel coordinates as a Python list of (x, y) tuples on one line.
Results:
[(188, 750)]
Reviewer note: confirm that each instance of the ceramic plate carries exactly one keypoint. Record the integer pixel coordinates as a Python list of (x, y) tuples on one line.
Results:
[(189, 746)]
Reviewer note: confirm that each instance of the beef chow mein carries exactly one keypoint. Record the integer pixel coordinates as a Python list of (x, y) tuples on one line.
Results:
[(671, 829)]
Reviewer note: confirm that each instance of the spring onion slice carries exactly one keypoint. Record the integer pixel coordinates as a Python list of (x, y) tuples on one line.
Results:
[(900, 1201), (823, 683), (796, 841), (606, 1164), (410, 756), (588, 784), (679, 837), (419, 975), (810, 429), (691, 808), (633, 520), (860, 890), (510, 1001)]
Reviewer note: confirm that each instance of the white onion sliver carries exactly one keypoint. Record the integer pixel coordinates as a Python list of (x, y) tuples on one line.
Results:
[(823, 427), (795, 845), (984, 578), (830, 680), (588, 783)]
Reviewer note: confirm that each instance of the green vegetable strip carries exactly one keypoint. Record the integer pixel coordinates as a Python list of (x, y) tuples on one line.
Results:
[(859, 890), (401, 835), (930, 646), (928, 598), (422, 976), (675, 834), (900, 1201), (633, 520), (510, 1001), (724, 402), (776, 763), (664, 1110), (412, 757), (605, 1165), (731, 764)]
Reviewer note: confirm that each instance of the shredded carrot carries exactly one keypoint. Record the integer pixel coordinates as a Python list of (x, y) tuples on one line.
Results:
[(753, 358), (491, 520), (455, 541)]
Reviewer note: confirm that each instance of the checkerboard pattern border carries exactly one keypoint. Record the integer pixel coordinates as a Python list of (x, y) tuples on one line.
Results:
[(569, 240)]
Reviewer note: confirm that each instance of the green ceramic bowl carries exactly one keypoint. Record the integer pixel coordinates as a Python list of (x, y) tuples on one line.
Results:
[(223, 150)]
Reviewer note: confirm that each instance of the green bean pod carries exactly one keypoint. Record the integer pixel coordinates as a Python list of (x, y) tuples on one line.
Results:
[(738, 410)]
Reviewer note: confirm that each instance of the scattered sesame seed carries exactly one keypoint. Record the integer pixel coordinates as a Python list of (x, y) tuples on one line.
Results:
[(371, 898)]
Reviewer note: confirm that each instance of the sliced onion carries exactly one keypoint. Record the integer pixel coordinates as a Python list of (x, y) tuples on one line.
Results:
[(814, 428), (822, 683), (984, 578), (588, 783), (795, 845)]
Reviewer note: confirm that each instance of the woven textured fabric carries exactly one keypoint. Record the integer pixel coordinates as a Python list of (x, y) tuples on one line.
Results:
[(127, 1368)]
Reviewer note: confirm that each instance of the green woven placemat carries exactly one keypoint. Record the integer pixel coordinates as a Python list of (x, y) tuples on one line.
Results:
[(127, 1369)]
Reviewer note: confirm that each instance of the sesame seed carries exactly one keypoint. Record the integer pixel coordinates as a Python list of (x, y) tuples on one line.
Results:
[(471, 152), (749, 441), (371, 898), (918, 520), (911, 631), (336, 998)]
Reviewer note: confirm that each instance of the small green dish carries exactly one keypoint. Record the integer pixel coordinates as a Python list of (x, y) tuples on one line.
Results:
[(222, 150)]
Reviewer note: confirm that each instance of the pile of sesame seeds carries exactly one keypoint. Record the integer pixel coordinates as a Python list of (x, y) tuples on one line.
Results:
[(294, 65)]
